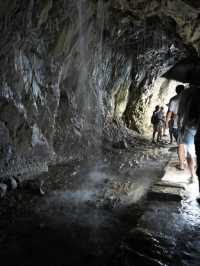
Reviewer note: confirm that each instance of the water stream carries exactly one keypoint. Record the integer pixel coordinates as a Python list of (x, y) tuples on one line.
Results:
[(89, 91)]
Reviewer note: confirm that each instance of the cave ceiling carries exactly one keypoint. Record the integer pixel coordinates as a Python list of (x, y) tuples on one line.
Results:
[(180, 18)]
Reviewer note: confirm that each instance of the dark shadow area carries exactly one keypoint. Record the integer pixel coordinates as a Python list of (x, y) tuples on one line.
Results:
[(62, 233), (186, 71)]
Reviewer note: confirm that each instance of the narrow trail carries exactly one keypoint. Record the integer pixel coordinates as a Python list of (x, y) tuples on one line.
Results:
[(168, 232)]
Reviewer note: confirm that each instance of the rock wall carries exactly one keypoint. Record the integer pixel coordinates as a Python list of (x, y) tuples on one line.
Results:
[(60, 77)]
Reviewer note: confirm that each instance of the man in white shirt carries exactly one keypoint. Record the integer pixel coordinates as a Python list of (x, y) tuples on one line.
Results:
[(172, 113)]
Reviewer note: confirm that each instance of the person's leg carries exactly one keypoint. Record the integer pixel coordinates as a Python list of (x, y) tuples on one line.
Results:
[(191, 160), (197, 148), (191, 164), (154, 134), (159, 136), (175, 133), (164, 130), (161, 133), (155, 130), (181, 155), (180, 149), (171, 136)]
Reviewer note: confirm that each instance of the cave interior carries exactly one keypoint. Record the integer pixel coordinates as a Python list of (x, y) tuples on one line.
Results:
[(79, 80)]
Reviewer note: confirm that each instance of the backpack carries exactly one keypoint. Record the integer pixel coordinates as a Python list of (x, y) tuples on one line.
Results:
[(154, 118)]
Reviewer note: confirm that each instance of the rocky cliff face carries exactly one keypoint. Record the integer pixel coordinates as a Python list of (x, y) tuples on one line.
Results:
[(72, 71)]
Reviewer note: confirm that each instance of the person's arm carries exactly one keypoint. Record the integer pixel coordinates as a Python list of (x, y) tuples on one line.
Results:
[(168, 117), (169, 113)]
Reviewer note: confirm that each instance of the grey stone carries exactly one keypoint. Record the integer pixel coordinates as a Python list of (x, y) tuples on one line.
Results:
[(11, 183), (3, 189), (166, 193), (171, 184)]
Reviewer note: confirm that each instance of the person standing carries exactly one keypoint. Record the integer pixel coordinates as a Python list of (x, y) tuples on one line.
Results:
[(162, 122), (173, 113), (170, 125), (188, 120), (156, 124)]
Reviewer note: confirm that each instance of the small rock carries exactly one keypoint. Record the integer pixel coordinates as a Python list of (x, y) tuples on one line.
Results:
[(74, 173), (41, 190), (121, 166), (11, 183), (130, 163), (3, 190), (121, 144), (136, 162), (42, 225)]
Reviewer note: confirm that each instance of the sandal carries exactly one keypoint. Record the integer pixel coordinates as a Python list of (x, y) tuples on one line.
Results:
[(180, 168)]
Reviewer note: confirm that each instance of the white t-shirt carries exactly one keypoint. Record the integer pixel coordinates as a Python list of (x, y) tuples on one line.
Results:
[(173, 107)]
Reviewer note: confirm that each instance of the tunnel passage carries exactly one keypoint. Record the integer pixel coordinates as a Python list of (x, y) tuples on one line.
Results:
[(80, 79)]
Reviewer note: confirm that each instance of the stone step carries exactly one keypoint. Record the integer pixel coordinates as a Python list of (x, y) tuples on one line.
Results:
[(174, 185), (166, 193), (164, 183)]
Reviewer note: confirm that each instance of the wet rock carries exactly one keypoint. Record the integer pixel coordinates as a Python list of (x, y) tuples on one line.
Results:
[(11, 183), (130, 164), (3, 189), (74, 173), (171, 184), (41, 188), (34, 186), (121, 144), (137, 243), (166, 193), (122, 166)]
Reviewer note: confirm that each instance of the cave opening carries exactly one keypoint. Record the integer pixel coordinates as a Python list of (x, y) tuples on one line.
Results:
[(81, 182)]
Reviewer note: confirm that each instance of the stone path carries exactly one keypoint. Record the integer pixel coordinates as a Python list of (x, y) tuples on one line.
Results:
[(175, 184), (168, 232)]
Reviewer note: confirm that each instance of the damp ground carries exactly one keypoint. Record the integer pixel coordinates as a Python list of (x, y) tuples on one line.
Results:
[(97, 212)]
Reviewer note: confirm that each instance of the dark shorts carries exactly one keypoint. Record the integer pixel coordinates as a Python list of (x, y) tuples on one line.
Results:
[(175, 133), (155, 127), (158, 126), (171, 130)]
